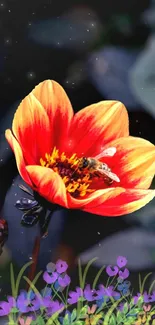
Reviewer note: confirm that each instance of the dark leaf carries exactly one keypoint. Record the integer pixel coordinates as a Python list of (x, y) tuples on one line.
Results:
[(29, 219), (24, 189), (25, 204)]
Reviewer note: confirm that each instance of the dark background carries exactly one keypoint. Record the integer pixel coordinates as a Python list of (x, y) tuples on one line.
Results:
[(24, 64)]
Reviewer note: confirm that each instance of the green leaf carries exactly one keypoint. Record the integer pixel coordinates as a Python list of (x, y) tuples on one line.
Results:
[(54, 317), (78, 322), (112, 320), (73, 315), (119, 317), (130, 321), (125, 308), (83, 311), (134, 311), (140, 301), (40, 321), (66, 320)]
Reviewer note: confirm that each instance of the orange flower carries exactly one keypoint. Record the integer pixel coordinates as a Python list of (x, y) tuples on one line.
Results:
[(48, 140)]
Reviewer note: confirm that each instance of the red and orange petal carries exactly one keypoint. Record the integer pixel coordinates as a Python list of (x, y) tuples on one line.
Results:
[(96, 125), (20, 161), (42, 120), (58, 107), (120, 203), (48, 184), (133, 162)]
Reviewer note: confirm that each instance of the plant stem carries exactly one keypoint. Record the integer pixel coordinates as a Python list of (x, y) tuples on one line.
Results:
[(35, 254)]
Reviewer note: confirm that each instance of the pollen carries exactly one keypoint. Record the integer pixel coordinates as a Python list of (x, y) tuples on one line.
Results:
[(77, 182)]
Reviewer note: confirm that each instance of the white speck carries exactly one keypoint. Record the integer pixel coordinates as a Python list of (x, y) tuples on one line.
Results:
[(30, 258), (88, 30), (70, 39), (22, 232), (96, 59), (31, 75), (83, 42), (15, 194), (99, 245), (1, 159), (9, 10), (99, 233)]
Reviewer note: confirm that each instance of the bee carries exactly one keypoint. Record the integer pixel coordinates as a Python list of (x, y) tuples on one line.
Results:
[(98, 168)]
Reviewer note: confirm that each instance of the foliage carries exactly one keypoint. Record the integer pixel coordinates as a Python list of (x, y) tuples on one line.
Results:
[(109, 304)]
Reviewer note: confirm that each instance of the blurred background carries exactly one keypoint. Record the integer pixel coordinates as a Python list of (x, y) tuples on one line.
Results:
[(96, 51)]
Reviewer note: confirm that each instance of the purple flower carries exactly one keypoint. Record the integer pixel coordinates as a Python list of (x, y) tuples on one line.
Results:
[(148, 297), (111, 270), (111, 293), (25, 303), (46, 292), (54, 307), (5, 307), (121, 261), (65, 281), (50, 267), (61, 266), (136, 298), (121, 307), (50, 278), (124, 274), (101, 292), (75, 295), (90, 294), (124, 287)]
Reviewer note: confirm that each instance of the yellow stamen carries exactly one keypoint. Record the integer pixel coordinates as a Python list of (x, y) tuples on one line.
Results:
[(77, 181)]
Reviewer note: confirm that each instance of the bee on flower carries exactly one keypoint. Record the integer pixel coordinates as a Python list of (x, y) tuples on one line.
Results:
[(84, 161)]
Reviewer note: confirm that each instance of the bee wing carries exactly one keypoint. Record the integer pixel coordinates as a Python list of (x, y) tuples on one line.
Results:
[(111, 175), (106, 153)]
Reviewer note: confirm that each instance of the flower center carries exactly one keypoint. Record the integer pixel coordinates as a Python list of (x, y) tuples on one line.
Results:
[(77, 181), (77, 177)]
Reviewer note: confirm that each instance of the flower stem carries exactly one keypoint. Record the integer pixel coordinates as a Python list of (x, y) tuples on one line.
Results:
[(35, 254)]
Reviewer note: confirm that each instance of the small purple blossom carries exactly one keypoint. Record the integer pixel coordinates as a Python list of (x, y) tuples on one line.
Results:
[(64, 281), (75, 295), (124, 274), (149, 297), (90, 294), (46, 292), (54, 307), (136, 298), (27, 303), (111, 270), (50, 278), (124, 287), (5, 307), (61, 266), (121, 261)]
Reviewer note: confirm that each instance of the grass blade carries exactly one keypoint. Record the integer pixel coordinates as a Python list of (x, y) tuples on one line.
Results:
[(87, 269), (80, 273), (12, 278), (21, 274), (97, 276), (140, 283), (146, 277)]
